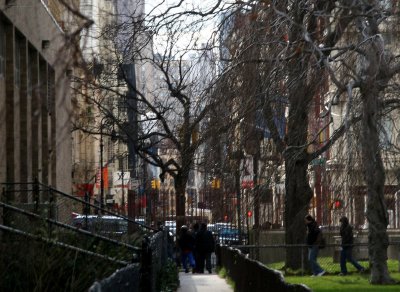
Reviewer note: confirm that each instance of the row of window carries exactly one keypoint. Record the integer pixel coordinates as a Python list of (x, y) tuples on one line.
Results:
[(23, 67), (2, 50)]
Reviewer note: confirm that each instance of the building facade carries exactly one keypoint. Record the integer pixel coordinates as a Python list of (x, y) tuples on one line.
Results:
[(35, 101)]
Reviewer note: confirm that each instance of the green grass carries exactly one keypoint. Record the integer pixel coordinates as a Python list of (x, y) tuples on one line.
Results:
[(223, 274), (333, 282), (333, 268), (353, 282)]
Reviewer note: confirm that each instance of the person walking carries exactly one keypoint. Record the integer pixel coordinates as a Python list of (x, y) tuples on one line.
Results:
[(195, 230), (346, 233), (205, 246), (186, 244), (314, 236)]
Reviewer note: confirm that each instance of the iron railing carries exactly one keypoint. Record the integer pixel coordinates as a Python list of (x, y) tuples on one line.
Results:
[(43, 228)]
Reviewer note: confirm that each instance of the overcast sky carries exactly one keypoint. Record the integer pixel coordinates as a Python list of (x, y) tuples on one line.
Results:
[(156, 7)]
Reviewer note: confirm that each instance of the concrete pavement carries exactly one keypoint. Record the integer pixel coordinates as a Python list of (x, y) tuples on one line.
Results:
[(202, 283)]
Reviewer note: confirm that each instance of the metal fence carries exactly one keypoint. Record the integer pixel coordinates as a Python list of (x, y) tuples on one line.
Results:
[(68, 241)]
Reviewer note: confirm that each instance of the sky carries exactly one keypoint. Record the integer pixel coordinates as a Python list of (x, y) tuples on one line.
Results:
[(155, 7)]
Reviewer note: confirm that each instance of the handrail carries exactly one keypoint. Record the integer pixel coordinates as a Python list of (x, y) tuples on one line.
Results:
[(49, 188), (22, 211), (61, 244)]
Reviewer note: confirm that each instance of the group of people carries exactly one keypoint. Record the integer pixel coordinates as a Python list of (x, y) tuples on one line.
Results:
[(314, 237), (196, 247)]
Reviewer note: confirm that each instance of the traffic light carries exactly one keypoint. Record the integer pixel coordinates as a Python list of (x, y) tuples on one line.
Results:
[(216, 183), (153, 184), (249, 213), (213, 184), (337, 204), (158, 184)]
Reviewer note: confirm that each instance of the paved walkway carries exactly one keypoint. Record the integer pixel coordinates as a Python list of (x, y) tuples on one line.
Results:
[(202, 283)]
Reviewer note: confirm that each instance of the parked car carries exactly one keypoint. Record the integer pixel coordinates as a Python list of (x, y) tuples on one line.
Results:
[(104, 225), (219, 225), (171, 225), (213, 229), (230, 236)]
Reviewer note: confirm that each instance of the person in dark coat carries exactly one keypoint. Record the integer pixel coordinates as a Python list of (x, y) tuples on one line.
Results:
[(195, 230), (186, 244), (346, 232), (205, 246), (314, 236)]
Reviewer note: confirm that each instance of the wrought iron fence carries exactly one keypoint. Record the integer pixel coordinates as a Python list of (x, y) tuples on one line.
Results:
[(274, 256), (77, 240)]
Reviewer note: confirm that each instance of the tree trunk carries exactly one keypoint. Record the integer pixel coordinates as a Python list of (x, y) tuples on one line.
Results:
[(298, 195), (298, 191), (181, 180), (378, 239), (180, 200)]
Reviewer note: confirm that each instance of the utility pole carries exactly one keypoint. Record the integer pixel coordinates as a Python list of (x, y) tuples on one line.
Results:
[(101, 167), (123, 185)]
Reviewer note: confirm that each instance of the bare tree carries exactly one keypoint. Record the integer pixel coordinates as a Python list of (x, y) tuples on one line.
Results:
[(313, 39), (292, 49), (168, 94)]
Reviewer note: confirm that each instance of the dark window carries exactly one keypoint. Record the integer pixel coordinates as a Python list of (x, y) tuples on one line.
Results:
[(29, 72), (2, 50), (17, 63)]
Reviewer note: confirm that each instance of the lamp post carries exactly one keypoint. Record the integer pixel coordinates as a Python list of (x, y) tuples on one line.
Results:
[(101, 163), (237, 156), (101, 167), (123, 185)]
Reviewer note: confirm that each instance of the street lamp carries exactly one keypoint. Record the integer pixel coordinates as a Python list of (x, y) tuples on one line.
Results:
[(101, 166), (236, 157), (102, 123)]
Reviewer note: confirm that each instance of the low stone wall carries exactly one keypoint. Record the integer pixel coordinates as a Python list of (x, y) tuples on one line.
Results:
[(251, 275), (126, 279), (360, 252)]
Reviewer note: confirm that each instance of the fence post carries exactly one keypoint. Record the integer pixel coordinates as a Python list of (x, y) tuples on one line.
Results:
[(36, 196), (145, 266), (86, 207), (50, 213), (3, 211), (302, 261)]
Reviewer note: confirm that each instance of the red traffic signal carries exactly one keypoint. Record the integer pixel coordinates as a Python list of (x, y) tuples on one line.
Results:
[(337, 204), (249, 213)]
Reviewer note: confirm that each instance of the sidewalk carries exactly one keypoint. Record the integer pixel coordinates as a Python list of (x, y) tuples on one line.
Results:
[(202, 283)]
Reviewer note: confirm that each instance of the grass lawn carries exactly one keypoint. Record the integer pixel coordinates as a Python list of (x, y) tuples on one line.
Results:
[(333, 282), (353, 282)]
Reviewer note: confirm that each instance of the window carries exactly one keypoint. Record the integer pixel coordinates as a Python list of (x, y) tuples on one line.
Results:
[(2, 50), (29, 73), (17, 63), (385, 133)]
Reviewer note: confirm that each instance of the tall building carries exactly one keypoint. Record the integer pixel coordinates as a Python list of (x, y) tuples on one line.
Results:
[(100, 148), (35, 101)]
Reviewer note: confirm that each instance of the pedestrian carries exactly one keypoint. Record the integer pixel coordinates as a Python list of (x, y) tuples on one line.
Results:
[(195, 230), (186, 244), (205, 246), (314, 237), (346, 233)]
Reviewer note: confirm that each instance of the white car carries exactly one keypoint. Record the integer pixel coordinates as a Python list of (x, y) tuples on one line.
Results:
[(171, 226)]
